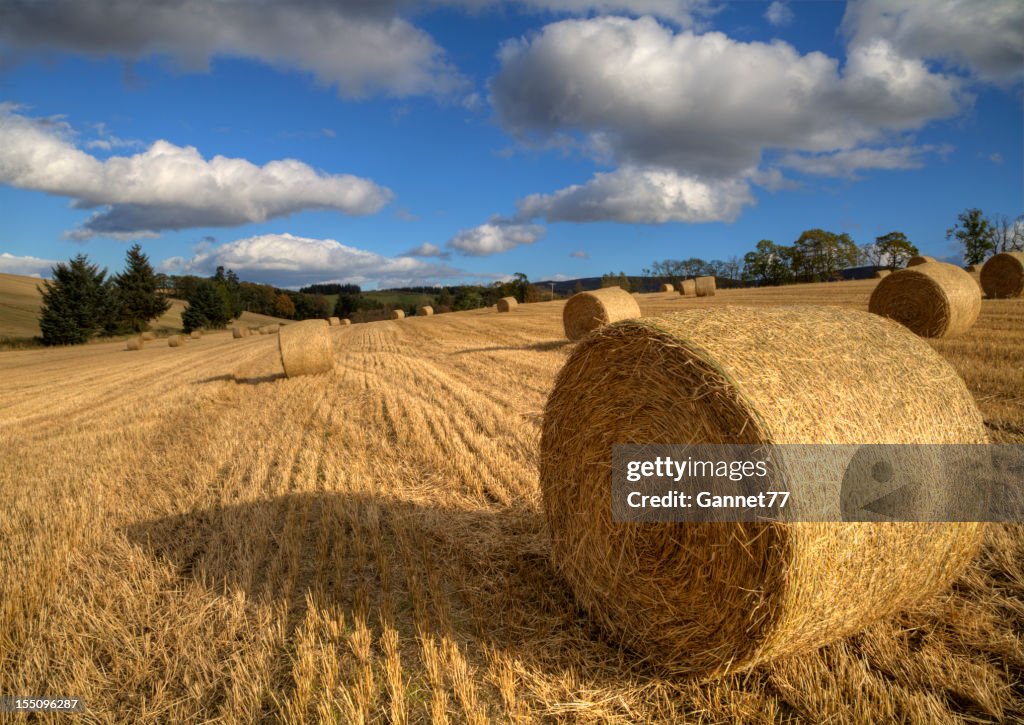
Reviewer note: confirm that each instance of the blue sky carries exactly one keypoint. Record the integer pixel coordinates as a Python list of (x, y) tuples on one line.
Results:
[(463, 140)]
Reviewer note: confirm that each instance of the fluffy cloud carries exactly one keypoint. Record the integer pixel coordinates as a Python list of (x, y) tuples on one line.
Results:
[(287, 260), (705, 104), (494, 237), (426, 250), (169, 186), (778, 14), (847, 163), (31, 266), (984, 36), (359, 46), (641, 195)]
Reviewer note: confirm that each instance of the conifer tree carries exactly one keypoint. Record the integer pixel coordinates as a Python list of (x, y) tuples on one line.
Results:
[(77, 303), (137, 295)]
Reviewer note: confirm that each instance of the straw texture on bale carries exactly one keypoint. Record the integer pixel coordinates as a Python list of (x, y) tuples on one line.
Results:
[(505, 304), (932, 300), (880, 274), (587, 311), (424, 311), (346, 322), (195, 334), (306, 348), (919, 259), (334, 321), (688, 287), (667, 288), (706, 599), (397, 314), (239, 332), (147, 336), (704, 286), (174, 341), (1003, 275), (135, 344)]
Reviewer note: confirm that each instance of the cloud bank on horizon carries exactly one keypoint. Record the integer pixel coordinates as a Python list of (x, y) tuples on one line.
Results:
[(679, 121)]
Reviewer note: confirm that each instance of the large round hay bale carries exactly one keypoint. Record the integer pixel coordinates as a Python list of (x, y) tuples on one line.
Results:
[(334, 321), (587, 311), (688, 287), (506, 304), (667, 288), (195, 334), (397, 314), (709, 598), (238, 332), (424, 311), (346, 322), (135, 344), (1003, 275), (306, 348), (882, 273), (932, 300), (174, 341), (919, 259), (147, 336), (704, 286)]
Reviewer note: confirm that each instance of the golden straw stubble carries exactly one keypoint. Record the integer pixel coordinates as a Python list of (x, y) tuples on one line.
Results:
[(305, 348), (704, 599), (1003, 275), (932, 300), (586, 311)]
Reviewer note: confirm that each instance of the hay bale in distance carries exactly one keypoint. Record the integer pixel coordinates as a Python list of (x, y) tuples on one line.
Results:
[(705, 599), (882, 273), (147, 336), (688, 288), (397, 314), (195, 334), (919, 259), (346, 322), (175, 341), (135, 344), (704, 286), (306, 348), (424, 311), (334, 321), (932, 300), (239, 332), (506, 304), (1002, 275), (667, 288), (587, 311)]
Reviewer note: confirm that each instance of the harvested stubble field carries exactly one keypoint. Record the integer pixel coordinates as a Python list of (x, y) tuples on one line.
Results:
[(187, 535)]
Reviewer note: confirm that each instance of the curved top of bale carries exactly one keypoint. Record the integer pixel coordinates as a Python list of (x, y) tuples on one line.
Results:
[(586, 311), (1003, 275), (505, 304), (705, 599), (305, 348), (932, 300), (919, 259)]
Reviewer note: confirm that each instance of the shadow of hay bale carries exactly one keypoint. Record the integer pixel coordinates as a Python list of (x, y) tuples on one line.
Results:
[(243, 380), (545, 346)]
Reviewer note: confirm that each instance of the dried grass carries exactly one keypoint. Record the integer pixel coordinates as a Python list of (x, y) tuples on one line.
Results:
[(919, 259), (506, 304), (306, 348), (706, 599), (688, 288), (704, 286), (932, 300), (397, 314), (1002, 276), (587, 311), (424, 311)]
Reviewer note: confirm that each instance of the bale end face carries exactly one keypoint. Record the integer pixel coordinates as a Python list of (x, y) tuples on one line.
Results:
[(1002, 276), (587, 311), (238, 332), (305, 348), (667, 288), (931, 300), (507, 304)]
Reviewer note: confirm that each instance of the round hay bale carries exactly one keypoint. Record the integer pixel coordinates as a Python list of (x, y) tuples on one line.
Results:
[(195, 334), (306, 348), (919, 259), (667, 288), (238, 332), (334, 321), (147, 337), (506, 304), (704, 599), (134, 344), (397, 314), (346, 322), (586, 311), (175, 341), (704, 286), (424, 311), (932, 300), (1002, 276), (882, 273), (688, 288)]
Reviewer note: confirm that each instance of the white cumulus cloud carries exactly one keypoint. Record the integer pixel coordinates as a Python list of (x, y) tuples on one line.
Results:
[(31, 266), (425, 250), (168, 186), (778, 14), (293, 261), (494, 237), (848, 163)]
